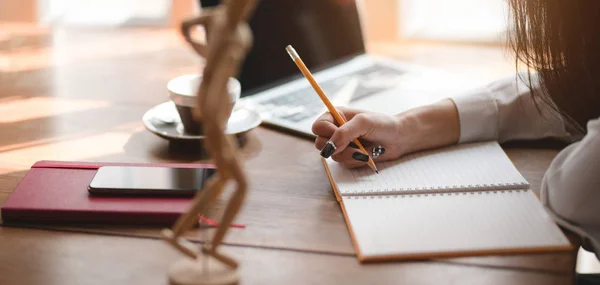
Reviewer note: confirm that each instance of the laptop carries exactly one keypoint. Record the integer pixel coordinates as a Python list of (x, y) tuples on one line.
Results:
[(327, 35)]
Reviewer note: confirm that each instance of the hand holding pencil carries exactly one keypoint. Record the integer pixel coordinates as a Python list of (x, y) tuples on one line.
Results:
[(330, 147)]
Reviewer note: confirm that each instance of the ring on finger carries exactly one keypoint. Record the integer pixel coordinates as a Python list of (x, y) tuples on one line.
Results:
[(377, 151)]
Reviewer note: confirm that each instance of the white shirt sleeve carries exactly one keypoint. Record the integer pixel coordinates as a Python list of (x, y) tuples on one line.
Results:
[(505, 110), (570, 188)]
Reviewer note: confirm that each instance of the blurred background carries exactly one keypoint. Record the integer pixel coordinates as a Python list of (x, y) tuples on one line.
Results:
[(437, 20), (37, 34)]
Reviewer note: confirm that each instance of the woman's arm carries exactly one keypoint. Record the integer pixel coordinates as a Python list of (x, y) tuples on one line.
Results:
[(505, 110), (571, 187)]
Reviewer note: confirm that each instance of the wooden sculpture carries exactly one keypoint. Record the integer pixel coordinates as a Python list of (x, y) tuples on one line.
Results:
[(229, 39)]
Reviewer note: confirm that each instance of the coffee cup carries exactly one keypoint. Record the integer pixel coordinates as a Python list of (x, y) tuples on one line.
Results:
[(183, 92)]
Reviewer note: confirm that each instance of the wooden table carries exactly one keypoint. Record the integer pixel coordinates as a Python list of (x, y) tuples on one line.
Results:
[(80, 94)]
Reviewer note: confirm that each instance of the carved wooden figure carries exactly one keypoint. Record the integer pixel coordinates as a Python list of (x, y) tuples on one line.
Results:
[(229, 39)]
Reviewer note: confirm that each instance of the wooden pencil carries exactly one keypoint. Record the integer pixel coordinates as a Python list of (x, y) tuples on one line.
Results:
[(338, 118)]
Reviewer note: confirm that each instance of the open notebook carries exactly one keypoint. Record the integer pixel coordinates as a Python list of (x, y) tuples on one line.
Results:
[(461, 200)]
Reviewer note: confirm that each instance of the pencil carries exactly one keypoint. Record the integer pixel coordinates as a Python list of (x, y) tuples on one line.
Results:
[(338, 118)]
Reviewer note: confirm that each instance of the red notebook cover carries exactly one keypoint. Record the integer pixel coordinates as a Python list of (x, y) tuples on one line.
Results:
[(56, 192)]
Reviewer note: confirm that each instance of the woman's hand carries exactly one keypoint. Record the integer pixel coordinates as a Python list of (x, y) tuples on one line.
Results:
[(373, 129), (421, 128)]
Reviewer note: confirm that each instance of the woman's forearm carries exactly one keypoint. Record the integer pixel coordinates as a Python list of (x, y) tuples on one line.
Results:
[(430, 126)]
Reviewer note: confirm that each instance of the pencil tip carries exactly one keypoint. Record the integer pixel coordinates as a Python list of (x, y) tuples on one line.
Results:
[(377, 171)]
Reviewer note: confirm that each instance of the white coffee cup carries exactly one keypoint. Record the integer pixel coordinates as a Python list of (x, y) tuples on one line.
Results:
[(183, 90)]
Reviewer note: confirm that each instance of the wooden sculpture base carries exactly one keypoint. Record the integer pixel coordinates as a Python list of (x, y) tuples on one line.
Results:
[(205, 270)]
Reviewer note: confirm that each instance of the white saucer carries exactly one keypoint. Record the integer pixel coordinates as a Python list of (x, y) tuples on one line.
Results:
[(163, 120)]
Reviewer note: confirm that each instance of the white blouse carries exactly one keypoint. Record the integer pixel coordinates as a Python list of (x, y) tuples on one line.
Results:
[(503, 111)]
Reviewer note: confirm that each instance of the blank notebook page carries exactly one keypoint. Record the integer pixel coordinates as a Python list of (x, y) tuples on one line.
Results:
[(416, 226), (464, 167)]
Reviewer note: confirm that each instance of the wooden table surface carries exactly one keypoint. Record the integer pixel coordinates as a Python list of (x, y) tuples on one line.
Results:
[(80, 95)]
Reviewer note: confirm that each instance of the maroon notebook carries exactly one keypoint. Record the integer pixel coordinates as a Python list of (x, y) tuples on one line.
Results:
[(56, 192)]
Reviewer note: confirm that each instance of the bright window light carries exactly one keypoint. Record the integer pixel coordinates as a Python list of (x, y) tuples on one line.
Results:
[(455, 20)]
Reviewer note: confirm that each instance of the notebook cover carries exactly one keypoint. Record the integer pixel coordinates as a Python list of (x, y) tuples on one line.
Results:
[(420, 256), (56, 192)]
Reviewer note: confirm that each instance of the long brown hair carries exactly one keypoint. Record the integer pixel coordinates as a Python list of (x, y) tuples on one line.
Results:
[(560, 39)]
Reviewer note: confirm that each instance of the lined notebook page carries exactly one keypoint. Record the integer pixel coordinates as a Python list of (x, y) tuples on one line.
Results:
[(464, 167), (413, 226)]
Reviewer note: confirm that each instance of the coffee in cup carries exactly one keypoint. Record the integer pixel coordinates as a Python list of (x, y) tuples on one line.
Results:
[(183, 92)]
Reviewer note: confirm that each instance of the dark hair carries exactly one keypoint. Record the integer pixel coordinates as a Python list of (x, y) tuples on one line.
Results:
[(560, 39)]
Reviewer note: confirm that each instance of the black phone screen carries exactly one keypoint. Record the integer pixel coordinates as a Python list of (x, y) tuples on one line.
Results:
[(148, 181)]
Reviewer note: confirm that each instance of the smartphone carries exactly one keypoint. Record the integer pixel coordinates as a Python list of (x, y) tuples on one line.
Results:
[(148, 181)]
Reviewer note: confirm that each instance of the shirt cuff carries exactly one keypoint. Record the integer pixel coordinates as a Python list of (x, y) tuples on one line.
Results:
[(478, 115)]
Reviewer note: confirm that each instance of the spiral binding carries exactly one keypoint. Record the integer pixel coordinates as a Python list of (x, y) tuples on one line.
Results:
[(481, 192), (440, 190)]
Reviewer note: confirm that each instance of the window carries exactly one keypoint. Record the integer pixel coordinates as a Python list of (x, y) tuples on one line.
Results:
[(481, 21)]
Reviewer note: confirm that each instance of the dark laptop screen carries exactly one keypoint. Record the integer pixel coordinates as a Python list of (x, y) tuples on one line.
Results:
[(322, 31)]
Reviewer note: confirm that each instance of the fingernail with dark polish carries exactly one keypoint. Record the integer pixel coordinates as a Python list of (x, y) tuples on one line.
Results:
[(360, 156), (353, 145), (328, 150)]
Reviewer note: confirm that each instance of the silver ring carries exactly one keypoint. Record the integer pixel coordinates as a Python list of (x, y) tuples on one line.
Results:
[(377, 151)]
